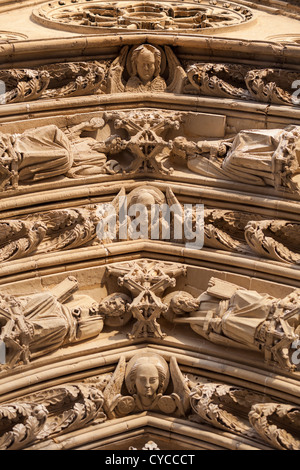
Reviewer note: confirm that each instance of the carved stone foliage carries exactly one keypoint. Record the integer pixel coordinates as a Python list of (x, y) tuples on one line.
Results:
[(229, 315), (51, 412), (65, 229), (277, 424), (148, 68), (165, 16), (52, 81), (147, 382), (243, 82), (244, 412)]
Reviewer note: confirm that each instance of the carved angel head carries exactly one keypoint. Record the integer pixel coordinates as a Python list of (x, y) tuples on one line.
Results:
[(147, 375), (146, 62)]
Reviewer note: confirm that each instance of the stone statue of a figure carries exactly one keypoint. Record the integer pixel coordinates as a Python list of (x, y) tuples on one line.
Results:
[(230, 315), (35, 325), (36, 154), (260, 157)]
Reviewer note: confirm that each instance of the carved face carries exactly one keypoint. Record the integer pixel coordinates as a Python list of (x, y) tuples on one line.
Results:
[(147, 380), (146, 65)]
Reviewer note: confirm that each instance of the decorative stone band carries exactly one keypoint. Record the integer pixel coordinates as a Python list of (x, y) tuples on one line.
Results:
[(168, 74), (40, 418)]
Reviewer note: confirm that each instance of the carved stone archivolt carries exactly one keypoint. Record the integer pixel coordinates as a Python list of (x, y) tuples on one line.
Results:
[(147, 383), (149, 69), (104, 223), (95, 16), (256, 157), (105, 331), (225, 314)]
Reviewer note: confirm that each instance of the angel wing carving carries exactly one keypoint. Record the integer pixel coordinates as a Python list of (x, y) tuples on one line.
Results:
[(116, 84), (112, 392), (181, 392), (176, 72)]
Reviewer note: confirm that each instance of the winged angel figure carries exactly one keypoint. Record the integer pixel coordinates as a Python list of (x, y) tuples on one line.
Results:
[(145, 379), (145, 65)]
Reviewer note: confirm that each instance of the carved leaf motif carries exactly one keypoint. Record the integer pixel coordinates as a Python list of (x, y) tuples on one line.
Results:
[(19, 238), (263, 237), (21, 434), (224, 406), (270, 420), (113, 390)]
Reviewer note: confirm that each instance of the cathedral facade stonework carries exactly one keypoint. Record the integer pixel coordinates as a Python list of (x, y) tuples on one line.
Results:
[(149, 225)]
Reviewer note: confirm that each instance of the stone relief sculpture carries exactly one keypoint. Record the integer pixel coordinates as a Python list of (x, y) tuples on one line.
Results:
[(145, 70), (258, 157), (147, 382), (241, 82), (147, 377), (51, 412), (149, 69), (277, 424), (65, 229), (91, 155), (35, 155), (105, 17), (276, 239), (224, 406), (35, 325), (230, 315), (145, 142), (241, 411), (146, 65), (45, 82), (146, 281), (48, 152)]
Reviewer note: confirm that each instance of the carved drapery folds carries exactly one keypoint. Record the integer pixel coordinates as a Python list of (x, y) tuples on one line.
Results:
[(139, 143), (229, 315), (225, 314), (38, 324), (147, 383)]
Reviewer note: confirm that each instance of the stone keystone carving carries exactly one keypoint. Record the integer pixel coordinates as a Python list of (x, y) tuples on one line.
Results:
[(146, 377), (146, 144), (146, 281), (149, 68)]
